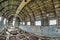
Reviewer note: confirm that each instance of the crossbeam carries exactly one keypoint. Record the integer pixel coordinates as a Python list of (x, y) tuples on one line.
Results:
[(21, 6)]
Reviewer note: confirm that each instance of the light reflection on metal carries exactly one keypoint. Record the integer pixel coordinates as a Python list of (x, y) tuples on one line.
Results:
[(38, 23), (52, 22), (0, 18), (28, 23), (13, 21), (4, 21)]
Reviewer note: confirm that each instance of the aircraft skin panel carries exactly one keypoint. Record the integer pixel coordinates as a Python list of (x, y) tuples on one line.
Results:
[(50, 31)]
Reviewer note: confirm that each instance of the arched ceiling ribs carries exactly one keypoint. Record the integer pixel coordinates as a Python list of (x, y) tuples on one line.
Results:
[(32, 13), (45, 19), (4, 4), (6, 7), (23, 15), (9, 11), (13, 15), (3, 1), (3, 8), (4, 13), (53, 7), (28, 14), (34, 9), (39, 8), (44, 7), (10, 4), (22, 6)]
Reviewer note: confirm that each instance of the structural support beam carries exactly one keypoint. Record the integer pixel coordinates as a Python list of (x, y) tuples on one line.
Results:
[(58, 21), (21, 6)]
